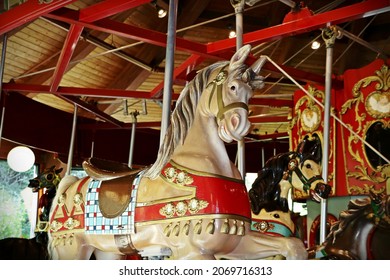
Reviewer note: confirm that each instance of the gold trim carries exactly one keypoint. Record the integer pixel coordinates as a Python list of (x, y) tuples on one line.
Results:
[(193, 206), (202, 173)]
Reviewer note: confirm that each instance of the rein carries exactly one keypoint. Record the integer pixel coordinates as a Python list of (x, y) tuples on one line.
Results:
[(293, 167), (218, 82)]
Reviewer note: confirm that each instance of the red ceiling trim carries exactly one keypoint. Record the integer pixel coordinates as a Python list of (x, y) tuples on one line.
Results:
[(65, 56), (337, 16), (26, 12), (108, 8)]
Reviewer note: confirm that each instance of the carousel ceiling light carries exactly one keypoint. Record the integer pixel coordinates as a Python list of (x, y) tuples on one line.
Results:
[(21, 159), (161, 12), (315, 45)]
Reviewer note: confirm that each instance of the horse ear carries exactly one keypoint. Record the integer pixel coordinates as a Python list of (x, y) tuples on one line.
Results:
[(239, 57), (58, 171)]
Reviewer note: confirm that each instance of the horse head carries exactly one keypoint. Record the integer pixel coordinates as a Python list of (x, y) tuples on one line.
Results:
[(48, 179), (304, 169), (230, 92)]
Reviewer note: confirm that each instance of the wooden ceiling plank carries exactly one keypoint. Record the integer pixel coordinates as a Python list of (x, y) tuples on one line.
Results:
[(26, 12), (108, 8), (66, 55)]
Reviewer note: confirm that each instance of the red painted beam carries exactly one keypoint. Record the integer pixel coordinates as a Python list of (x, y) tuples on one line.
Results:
[(108, 8), (129, 31), (65, 91), (26, 12), (337, 16), (65, 56), (193, 60)]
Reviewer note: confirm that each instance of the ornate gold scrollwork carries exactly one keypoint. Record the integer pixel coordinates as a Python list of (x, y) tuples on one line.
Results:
[(377, 105), (181, 208), (178, 176)]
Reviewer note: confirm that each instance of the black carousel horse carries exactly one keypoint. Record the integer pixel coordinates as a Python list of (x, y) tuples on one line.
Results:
[(269, 193), (270, 189), (35, 248), (361, 233)]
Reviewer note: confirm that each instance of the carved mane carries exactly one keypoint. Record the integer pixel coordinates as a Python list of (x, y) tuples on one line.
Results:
[(181, 119)]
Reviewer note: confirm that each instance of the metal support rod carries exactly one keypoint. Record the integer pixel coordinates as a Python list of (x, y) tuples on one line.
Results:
[(168, 75), (72, 139), (3, 52), (238, 6), (132, 139), (360, 41), (329, 35)]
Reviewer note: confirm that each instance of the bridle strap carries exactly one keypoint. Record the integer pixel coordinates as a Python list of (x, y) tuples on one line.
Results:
[(293, 167), (217, 84)]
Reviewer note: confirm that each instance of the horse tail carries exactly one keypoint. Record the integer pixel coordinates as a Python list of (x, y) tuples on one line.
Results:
[(62, 186)]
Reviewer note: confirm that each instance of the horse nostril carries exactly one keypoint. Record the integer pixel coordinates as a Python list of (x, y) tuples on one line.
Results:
[(235, 120)]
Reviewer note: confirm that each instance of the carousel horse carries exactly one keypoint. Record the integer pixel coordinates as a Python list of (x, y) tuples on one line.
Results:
[(268, 195), (35, 248), (191, 203), (361, 233)]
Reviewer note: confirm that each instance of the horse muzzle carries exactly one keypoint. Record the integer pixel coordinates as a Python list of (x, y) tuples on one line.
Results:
[(321, 191), (34, 185)]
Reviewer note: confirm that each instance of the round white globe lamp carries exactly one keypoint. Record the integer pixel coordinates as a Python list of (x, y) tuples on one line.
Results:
[(21, 159)]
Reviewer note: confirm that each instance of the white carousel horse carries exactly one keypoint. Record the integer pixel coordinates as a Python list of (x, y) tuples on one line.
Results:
[(191, 203)]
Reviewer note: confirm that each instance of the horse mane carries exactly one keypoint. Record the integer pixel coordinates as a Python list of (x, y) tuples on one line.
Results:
[(265, 191), (356, 208), (181, 119)]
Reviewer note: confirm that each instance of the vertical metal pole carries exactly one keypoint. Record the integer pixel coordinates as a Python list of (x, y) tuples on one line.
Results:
[(169, 65), (133, 127), (72, 139), (329, 36), (3, 52), (238, 6), (262, 157)]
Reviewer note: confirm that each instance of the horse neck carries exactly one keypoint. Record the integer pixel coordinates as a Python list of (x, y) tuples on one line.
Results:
[(203, 150)]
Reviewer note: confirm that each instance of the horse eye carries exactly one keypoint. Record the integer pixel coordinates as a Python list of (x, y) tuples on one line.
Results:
[(232, 88), (49, 176), (276, 216), (308, 166)]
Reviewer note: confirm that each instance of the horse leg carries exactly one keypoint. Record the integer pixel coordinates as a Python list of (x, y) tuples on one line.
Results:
[(70, 249), (101, 255), (255, 245)]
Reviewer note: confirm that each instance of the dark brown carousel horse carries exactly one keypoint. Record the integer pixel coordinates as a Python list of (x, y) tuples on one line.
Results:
[(35, 248), (362, 231)]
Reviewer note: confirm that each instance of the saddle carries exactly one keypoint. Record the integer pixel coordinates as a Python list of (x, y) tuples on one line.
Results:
[(116, 185), (104, 170)]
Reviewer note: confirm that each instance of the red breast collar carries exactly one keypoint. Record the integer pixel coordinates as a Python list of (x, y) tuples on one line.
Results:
[(213, 195)]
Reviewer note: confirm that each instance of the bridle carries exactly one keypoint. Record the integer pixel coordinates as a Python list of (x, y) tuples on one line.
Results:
[(217, 83), (293, 167)]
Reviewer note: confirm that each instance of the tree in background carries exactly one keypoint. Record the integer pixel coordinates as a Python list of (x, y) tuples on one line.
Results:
[(14, 220)]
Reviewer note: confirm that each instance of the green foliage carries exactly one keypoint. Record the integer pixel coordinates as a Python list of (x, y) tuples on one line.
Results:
[(13, 216)]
